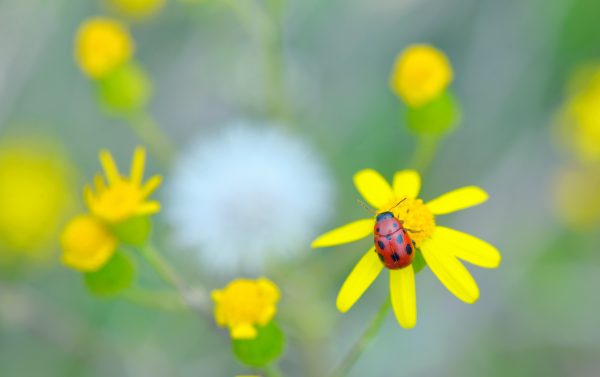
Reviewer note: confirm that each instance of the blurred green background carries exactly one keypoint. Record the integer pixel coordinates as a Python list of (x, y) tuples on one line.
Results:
[(512, 60)]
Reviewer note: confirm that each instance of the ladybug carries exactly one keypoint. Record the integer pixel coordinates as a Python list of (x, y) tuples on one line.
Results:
[(392, 242)]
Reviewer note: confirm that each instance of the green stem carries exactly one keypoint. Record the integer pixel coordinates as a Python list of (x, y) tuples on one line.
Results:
[(196, 301), (361, 344), (272, 370), (150, 133), (425, 152), (163, 300), (263, 22)]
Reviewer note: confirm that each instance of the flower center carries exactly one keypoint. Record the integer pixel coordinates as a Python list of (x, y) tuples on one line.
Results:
[(417, 219), (119, 201)]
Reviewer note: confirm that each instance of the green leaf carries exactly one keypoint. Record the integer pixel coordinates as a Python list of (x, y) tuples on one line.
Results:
[(435, 117), (115, 276), (134, 231), (260, 351), (418, 261), (125, 90)]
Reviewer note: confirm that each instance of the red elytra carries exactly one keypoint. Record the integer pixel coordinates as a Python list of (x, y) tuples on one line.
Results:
[(392, 242)]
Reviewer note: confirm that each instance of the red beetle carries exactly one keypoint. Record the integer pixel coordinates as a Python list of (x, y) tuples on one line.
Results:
[(392, 242)]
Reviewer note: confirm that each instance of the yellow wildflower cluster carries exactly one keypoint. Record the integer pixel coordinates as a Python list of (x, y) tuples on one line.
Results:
[(244, 304), (87, 241)]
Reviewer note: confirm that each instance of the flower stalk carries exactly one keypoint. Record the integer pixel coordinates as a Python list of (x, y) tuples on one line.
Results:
[(365, 339)]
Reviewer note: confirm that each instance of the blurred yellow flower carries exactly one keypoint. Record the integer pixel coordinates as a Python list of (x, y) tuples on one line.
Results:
[(441, 247), (243, 304), (101, 45), (581, 122), (123, 197), (35, 193), (577, 196), (87, 244), (136, 9), (421, 73)]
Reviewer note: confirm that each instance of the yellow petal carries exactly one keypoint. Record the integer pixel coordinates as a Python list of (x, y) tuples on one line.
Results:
[(407, 184), (450, 271), (404, 300), (361, 277), (137, 166), (151, 185), (109, 166), (373, 188), (468, 247), (348, 233), (99, 184), (148, 208), (243, 331), (456, 200)]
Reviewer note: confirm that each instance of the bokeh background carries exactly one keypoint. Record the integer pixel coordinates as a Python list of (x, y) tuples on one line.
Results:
[(514, 63)]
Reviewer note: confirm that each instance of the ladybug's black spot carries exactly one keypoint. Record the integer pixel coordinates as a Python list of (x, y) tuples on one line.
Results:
[(381, 245), (409, 250), (400, 238), (389, 238), (395, 225), (377, 229), (380, 257), (395, 257)]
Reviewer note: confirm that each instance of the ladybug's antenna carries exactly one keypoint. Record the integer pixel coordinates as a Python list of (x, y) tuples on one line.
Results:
[(365, 206), (397, 204)]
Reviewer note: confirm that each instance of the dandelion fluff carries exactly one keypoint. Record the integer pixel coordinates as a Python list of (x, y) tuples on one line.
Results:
[(245, 195)]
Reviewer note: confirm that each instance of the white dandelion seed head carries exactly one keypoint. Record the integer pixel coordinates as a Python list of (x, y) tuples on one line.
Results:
[(250, 193)]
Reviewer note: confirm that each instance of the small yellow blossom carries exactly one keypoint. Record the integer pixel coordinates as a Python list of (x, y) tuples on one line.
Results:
[(441, 247), (87, 244), (581, 115), (136, 9), (123, 197), (35, 193), (101, 45), (243, 304), (421, 73)]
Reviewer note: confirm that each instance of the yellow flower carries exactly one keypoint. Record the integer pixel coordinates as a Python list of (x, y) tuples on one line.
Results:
[(136, 9), (581, 128), (35, 193), (101, 45), (87, 244), (421, 73), (440, 246), (243, 304), (123, 197), (577, 196)]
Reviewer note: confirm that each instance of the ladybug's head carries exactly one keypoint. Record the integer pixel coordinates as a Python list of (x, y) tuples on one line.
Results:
[(384, 215), (386, 224)]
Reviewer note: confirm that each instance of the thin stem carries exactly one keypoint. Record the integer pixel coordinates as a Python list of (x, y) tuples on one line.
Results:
[(425, 152), (163, 300), (149, 132), (196, 300), (361, 344), (272, 370)]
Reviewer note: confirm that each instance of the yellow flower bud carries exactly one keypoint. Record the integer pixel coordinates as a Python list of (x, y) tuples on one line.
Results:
[(101, 45), (136, 9), (421, 73), (87, 244), (245, 303)]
